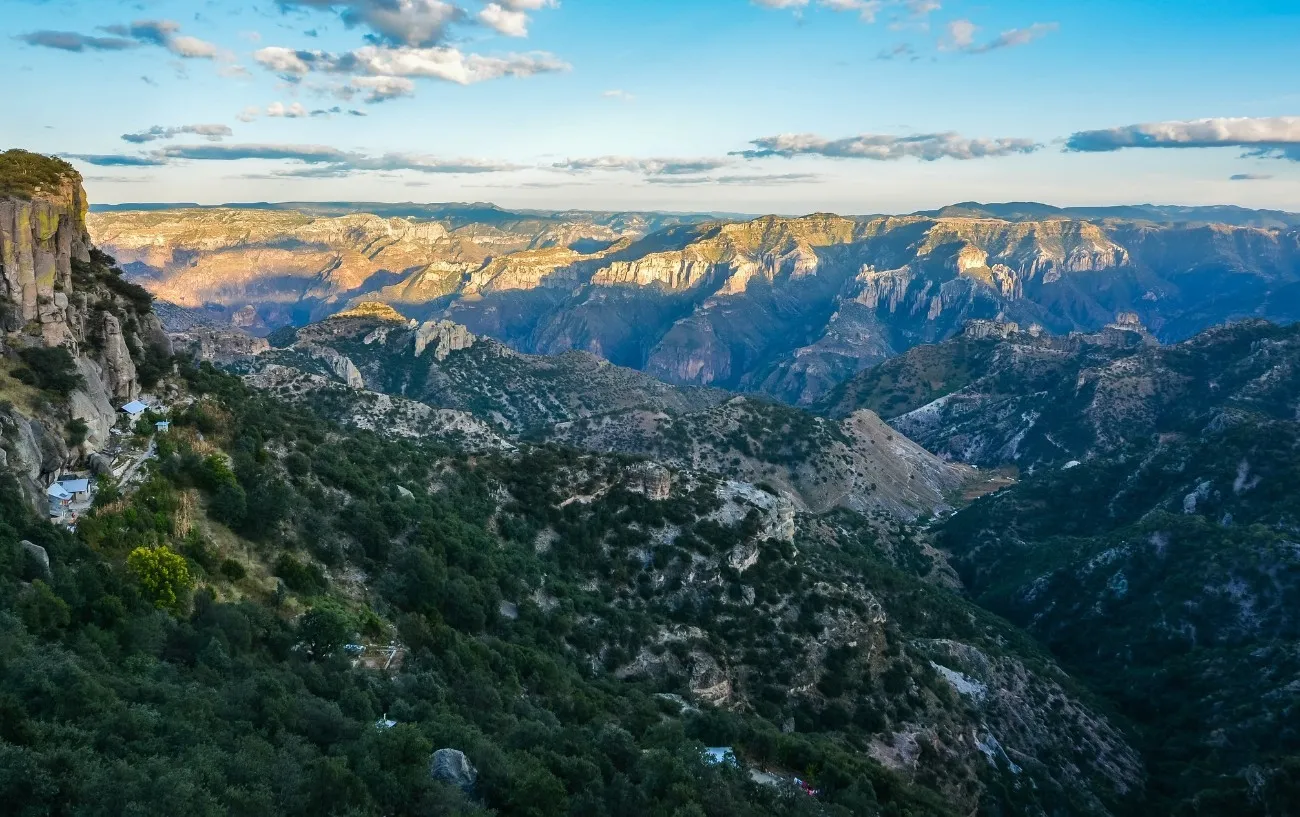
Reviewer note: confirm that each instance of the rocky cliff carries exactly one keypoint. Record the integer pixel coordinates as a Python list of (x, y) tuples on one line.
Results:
[(1002, 395), (75, 335)]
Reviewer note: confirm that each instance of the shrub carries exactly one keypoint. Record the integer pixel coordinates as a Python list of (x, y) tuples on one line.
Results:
[(299, 577), (77, 429), (23, 173), (50, 369)]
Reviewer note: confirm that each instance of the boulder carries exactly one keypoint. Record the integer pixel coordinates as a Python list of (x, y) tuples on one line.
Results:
[(100, 464), (451, 766), (39, 554)]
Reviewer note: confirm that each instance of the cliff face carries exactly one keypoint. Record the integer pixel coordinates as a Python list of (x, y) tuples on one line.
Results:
[(788, 306), (57, 292), (39, 237)]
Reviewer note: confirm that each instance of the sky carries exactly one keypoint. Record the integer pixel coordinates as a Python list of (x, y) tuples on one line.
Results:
[(742, 106)]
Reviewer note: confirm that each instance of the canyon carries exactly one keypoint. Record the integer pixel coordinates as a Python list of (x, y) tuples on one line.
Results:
[(789, 307)]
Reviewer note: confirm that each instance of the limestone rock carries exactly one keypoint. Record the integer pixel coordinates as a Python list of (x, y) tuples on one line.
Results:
[(444, 337), (451, 766), (340, 364), (990, 329), (119, 369), (93, 404), (218, 345), (650, 479)]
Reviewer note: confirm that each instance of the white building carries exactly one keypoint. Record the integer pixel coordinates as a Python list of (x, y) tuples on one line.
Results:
[(78, 488), (60, 499), (134, 409)]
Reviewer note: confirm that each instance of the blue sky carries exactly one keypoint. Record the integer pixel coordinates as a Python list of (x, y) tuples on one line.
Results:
[(788, 106)]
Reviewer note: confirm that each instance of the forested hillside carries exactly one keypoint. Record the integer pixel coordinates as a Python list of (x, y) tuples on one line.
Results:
[(1164, 569), (577, 634)]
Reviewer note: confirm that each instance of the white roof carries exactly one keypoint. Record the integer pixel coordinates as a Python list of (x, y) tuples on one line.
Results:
[(135, 407), (57, 491), (76, 486)]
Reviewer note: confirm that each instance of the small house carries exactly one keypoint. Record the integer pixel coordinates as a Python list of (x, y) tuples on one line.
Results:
[(385, 723), (78, 488), (59, 499), (134, 409), (162, 426)]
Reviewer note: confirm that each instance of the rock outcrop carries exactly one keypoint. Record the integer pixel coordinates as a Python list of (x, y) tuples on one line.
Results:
[(451, 766), (38, 554), (444, 337), (40, 235)]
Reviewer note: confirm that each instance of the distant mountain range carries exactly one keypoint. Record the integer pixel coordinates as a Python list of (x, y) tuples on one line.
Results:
[(790, 307)]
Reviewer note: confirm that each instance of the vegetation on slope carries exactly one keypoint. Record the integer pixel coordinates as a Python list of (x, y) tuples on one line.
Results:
[(1172, 582), (23, 173), (137, 682)]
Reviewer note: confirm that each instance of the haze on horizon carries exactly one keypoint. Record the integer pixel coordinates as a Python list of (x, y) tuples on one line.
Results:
[(782, 106)]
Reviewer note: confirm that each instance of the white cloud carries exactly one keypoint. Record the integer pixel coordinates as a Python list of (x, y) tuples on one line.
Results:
[(444, 63), (504, 21), (866, 9), (166, 33), (424, 23), (213, 133), (1276, 136), (320, 161), (650, 167), (752, 181), (886, 147), (295, 110), (192, 48), (283, 61), (961, 34), (618, 94), (399, 22), (452, 65), (280, 110), (961, 37), (378, 89)]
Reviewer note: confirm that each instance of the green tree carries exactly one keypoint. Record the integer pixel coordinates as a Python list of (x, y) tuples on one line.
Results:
[(162, 575), (43, 612), (323, 629)]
